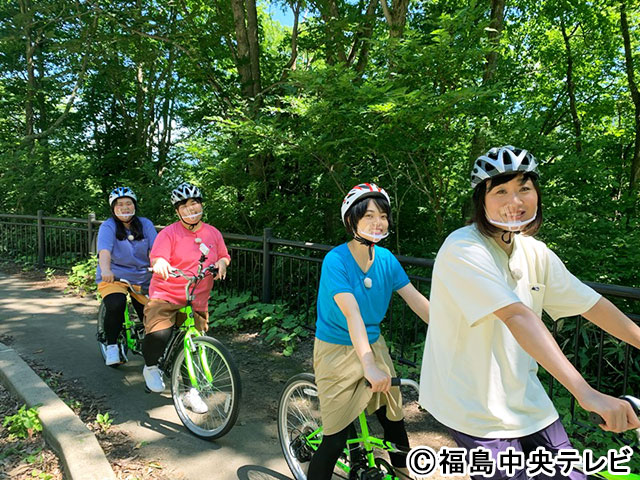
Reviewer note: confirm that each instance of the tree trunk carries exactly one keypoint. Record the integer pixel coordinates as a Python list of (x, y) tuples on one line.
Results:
[(396, 16), (254, 47), (571, 89), (496, 25), (25, 10), (635, 97), (242, 39)]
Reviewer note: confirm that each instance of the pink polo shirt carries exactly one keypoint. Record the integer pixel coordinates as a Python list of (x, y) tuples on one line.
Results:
[(180, 247)]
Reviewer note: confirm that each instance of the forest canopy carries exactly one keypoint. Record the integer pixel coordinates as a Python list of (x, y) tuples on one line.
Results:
[(275, 123)]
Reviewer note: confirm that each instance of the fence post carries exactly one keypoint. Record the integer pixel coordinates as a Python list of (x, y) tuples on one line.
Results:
[(90, 219), (41, 249), (266, 265)]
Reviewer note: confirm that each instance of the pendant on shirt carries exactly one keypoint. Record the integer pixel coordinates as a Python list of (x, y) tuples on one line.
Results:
[(130, 238), (516, 273), (198, 240), (367, 282)]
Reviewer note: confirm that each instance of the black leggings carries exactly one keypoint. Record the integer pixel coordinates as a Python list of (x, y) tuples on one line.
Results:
[(153, 346), (325, 458), (114, 304)]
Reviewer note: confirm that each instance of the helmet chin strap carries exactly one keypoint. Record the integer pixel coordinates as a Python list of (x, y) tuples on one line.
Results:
[(190, 226), (367, 243)]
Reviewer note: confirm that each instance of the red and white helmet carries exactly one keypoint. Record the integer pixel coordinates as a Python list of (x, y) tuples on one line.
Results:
[(363, 190)]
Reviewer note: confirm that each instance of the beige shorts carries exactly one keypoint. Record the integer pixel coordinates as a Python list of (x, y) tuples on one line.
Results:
[(107, 288), (341, 386), (160, 315)]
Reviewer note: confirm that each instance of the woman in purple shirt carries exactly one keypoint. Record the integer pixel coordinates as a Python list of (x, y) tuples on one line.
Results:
[(124, 242)]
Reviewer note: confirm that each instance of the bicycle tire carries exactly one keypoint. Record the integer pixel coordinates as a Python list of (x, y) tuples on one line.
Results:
[(222, 395), (102, 339), (298, 416)]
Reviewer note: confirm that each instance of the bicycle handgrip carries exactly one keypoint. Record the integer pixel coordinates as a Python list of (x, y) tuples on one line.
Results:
[(395, 382)]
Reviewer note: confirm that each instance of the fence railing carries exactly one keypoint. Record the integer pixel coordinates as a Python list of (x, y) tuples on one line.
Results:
[(285, 271)]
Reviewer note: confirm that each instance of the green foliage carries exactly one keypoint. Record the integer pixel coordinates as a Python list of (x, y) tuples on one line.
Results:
[(104, 421), (23, 424), (82, 279), (245, 312)]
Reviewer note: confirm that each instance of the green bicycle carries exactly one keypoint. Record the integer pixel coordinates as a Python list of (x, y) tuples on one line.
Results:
[(300, 433), (193, 360)]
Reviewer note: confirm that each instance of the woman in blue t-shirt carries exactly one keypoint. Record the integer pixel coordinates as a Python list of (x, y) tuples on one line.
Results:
[(356, 283), (124, 242)]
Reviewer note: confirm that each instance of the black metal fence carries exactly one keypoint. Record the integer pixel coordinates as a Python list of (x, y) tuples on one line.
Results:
[(284, 271)]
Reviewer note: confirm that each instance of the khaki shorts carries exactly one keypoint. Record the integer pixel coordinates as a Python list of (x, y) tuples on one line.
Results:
[(105, 289), (341, 386), (160, 315)]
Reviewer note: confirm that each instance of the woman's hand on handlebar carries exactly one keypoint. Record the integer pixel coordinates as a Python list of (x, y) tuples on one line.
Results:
[(162, 267), (618, 414), (380, 381), (108, 276)]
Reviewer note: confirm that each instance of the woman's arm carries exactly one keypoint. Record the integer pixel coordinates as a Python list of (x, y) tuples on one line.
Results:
[(104, 259), (534, 337), (606, 315), (416, 301), (380, 381)]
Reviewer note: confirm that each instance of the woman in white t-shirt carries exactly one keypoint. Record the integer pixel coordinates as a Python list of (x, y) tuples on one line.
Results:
[(491, 281)]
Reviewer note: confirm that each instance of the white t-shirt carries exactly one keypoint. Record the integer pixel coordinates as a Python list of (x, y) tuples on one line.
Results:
[(475, 376)]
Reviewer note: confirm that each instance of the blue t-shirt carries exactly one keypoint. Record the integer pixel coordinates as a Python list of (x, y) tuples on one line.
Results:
[(129, 258), (341, 274)]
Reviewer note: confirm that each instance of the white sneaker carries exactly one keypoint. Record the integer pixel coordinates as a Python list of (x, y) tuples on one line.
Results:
[(112, 355), (193, 401), (153, 378)]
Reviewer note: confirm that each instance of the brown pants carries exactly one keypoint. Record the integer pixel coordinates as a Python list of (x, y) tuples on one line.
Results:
[(160, 315)]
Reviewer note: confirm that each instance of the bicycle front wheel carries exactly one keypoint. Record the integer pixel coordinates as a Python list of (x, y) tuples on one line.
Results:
[(299, 423), (207, 399)]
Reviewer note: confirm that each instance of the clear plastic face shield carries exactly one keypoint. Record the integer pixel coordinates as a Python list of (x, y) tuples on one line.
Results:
[(190, 212), (374, 226), (511, 218), (124, 209), (512, 205)]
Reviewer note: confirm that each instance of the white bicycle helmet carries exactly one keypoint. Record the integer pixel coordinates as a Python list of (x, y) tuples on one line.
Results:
[(185, 191), (501, 160), (360, 191), (120, 192)]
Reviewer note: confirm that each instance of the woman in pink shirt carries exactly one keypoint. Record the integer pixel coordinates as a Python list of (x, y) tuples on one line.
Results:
[(178, 246)]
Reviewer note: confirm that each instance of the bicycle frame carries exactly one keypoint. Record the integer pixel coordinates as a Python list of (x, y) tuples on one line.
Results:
[(191, 331)]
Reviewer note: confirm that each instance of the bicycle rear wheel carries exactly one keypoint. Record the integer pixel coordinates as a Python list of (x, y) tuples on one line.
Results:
[(298, 420), (102, 338), (218, 386)]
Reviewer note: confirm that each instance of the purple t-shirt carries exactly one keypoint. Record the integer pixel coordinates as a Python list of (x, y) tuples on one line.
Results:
[(129, 258)]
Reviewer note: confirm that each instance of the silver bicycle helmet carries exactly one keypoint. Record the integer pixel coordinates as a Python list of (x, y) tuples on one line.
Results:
[(501, 160), (185, 191), (120, 192)]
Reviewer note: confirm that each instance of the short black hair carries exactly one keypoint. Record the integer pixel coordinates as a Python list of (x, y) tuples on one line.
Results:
[(358, 209), (479, 216)]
